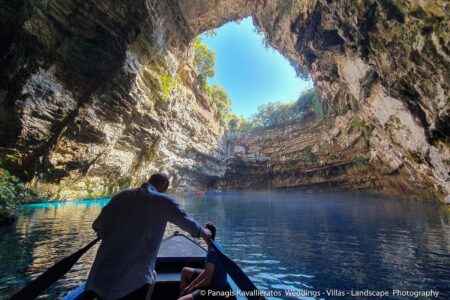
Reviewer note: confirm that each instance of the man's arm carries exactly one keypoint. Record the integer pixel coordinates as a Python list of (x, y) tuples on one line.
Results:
[(99, 223), (178, 216)]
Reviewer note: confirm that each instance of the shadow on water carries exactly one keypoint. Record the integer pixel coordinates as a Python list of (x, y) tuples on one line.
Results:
[(283, 241)]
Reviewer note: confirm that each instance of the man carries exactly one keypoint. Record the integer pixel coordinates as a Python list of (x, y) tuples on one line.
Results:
[(213, 277), (131, 227)]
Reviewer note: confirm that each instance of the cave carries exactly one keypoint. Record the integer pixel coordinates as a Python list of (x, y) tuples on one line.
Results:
[(96, 95)]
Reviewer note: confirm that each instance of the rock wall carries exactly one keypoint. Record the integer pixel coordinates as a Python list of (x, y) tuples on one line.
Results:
[(100, 95), (313, 156), (310, 155), (94, 95), (382, 60)]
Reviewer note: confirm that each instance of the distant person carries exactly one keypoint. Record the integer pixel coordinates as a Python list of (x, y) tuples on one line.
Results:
[(131, 227), (212, 277)]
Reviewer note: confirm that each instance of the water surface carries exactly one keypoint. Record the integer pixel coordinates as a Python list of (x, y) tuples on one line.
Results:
[(295, 241)]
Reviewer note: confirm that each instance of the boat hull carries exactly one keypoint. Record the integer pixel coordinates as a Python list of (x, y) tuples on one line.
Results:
[(176, 252)]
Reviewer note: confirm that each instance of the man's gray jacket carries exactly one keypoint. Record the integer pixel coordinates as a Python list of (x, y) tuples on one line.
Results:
[(131, 227)]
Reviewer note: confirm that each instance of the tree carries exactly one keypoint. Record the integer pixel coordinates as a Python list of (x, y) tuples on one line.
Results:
[(279, 113), (271, 114), (274, 113), (221, 99), (309, 101), (204, 60), (238, 122)]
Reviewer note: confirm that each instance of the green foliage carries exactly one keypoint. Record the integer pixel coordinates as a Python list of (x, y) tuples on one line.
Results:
[(168, 83), (235, 121), (221, 100), (271, 114), (204, 60), (279, 113), (359, 162), (12, 157), (179, 80), (210, 33), (12, 192), (309, 101), (238, 122), (274, 113), (359, 124), (309, 156), (301, 72), (264, 41), (220, 97)]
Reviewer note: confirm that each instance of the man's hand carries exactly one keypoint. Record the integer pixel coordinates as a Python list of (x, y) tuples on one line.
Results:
[(205, 234)]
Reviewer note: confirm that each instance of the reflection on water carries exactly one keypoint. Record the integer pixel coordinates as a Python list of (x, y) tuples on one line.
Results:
[(282, 240)]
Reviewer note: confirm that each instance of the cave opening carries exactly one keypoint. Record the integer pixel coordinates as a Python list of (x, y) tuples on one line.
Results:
[(253, 84), (95, 96), (117, 102)]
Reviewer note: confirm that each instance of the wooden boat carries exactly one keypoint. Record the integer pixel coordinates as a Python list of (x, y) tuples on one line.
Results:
[(176, 251)]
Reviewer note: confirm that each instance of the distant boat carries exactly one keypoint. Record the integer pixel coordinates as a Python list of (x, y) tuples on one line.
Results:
[(176, 251)]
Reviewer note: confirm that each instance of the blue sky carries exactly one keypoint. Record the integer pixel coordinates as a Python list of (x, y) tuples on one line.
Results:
[(251, 74)]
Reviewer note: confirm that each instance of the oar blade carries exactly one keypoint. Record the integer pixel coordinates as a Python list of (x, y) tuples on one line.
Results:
[(51, 275), (243, 282)]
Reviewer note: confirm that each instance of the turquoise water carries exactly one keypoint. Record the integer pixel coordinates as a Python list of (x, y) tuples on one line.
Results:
[(284, 241)]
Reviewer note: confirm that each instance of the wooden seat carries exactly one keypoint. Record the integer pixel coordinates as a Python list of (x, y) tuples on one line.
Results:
[(168, 277)]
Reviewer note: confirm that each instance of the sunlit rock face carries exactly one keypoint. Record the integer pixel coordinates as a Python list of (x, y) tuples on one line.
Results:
[(385, 62), (313, 156), (97, 94)]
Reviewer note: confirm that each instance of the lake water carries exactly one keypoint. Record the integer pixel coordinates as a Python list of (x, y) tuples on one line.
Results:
[(308, 243)]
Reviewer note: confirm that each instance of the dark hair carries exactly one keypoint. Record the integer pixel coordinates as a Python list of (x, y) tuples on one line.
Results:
[(211, 228), (158, 179)]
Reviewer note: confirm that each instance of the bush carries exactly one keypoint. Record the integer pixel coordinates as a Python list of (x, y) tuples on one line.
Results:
[(168, 84), (13, 193), (359, 162), (309, 156), (359, 124)]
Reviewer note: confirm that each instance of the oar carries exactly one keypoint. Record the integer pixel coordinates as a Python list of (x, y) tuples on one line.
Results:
[(239, 277), (46, 279)]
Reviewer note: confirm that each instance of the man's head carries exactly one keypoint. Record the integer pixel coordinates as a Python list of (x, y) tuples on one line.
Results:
[(160, 181), (212, 228)]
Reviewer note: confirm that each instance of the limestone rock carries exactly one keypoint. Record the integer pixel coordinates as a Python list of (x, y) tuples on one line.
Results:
[(95, 95)]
